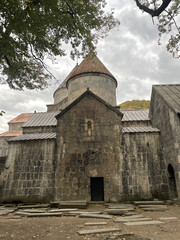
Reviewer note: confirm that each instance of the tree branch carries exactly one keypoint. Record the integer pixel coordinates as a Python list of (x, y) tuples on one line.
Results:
[(42, 63), (156, 12)]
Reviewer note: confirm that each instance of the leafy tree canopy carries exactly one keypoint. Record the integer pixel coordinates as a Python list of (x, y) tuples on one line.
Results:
[(31, 30), (167, 13)]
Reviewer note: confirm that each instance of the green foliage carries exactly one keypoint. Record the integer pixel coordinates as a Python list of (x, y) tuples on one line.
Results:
[(167, 21), (31, 30), (135, 105), (1, 113)]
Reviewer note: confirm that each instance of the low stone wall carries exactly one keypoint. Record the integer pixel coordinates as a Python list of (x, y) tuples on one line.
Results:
[(143, 169), (29, 173)]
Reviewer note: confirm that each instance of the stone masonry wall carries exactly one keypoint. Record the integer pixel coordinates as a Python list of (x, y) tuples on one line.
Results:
[(100, 84), (163, 117), (81, 156), (3, 152), (143, 169), (29, 173)]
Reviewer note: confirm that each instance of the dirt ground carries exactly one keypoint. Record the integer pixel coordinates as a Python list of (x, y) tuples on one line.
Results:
[(66, 227)]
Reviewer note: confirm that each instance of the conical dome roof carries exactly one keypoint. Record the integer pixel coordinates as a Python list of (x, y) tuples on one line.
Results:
[(90, 64)]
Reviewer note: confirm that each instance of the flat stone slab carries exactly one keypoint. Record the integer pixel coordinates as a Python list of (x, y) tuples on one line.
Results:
[(79, 212), (95, 223), (4, 211), (120, 206), (149, 203), (133, 220), (33, 210), (95, 216), (131, 217), (95, 231), (63, 210), (38, 214), (168, 218), (143, 223), (130, 214), (33, 206), (152, 206), (126, 236), (73, 204), (118, 211), (154, 209), (45, 215)]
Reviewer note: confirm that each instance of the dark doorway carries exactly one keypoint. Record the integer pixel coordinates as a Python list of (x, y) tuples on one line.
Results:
[(172, 182), (97, 189)]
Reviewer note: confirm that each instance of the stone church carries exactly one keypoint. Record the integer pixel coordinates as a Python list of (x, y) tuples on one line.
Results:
[(86, 148)]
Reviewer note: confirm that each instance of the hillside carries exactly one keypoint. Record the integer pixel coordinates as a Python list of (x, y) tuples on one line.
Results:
[(135, 104)]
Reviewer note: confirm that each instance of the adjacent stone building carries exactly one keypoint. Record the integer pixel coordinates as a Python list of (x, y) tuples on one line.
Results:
[(85, 148)]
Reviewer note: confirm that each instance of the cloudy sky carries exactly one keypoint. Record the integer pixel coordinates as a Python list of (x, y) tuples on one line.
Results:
[(132, 55)]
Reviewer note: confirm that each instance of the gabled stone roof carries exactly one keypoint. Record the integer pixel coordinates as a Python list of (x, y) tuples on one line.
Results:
[(23, 117), (95, 96), (11, 133), (90, 64), (171, 95)]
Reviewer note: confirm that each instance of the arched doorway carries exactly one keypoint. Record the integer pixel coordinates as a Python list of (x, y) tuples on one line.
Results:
[(172, 182)]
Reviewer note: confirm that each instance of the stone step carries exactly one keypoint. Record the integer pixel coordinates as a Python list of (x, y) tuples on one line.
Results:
[(38, 214), (118, 211), (33, 206), (73, 204), (95, 216), (63, 210), (143, 223), (120, 206), (95, 231), (158, 202), (95, 223), (154, 209), (79, 212), (168, 218), (132, 219), (34, 210), (152, 206)]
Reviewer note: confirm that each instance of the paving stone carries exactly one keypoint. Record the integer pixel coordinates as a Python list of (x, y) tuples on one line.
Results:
[(132, 219), (149, 202), (45, 215), (118, 211), (120, 206), (21, 213), (95, 231), (63, 210), (130, 214), (95, 223), (88, 215), (69, 214), (152, 206), (33, 210), (4, 212), (37, 214), (124, 236), (143, 223), (33, 206), (154, 209), (79, 213), (72, 204), (168, 218)]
